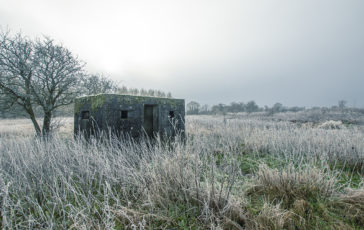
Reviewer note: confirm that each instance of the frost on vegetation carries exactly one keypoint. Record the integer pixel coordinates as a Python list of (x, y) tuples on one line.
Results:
[(293, 183), (271, 217), (79, 185), (233, 174), (331, 125), (351, 204)]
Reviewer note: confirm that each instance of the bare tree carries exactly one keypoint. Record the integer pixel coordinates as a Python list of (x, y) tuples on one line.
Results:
[(193, 107), (16, 74), (277, 108), (57, 78), (204, 109), (251, 106), (38, 73), (219, 109)]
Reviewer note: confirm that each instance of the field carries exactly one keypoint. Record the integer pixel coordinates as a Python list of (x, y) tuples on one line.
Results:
[(241, 171)]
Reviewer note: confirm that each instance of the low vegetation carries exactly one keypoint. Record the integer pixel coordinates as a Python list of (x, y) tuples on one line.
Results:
[(230, 173)]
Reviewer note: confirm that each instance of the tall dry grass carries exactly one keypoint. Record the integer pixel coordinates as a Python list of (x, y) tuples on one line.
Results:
[(228, 174)]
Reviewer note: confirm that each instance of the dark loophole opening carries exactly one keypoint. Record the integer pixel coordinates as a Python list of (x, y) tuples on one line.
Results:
[(85, 115), (171, 114), (124, 114)]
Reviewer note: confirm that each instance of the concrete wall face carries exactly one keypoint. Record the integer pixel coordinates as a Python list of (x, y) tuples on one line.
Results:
[(132, 115)]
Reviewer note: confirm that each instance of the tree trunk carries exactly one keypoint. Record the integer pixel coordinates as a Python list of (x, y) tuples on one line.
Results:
[(47, 123), (35, 123)]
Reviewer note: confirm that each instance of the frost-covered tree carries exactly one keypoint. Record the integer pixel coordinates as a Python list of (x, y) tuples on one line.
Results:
[(193, 107), (37, 73), (251, 106)]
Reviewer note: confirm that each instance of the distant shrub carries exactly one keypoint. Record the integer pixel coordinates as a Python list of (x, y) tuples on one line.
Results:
[(331, 125)]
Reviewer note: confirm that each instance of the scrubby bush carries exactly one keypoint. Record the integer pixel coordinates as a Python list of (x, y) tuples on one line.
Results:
[(331, 125)]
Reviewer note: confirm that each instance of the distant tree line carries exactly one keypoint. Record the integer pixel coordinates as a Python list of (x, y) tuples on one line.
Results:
[(143, 92), (194, 108), (98, 83)]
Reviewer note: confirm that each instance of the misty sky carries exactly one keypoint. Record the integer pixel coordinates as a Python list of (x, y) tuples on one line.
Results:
[(306, 53)]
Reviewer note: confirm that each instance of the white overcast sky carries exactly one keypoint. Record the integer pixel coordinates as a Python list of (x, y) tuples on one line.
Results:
[(297, 52)]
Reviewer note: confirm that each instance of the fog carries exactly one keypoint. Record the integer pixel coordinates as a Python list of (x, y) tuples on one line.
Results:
[(305, 53)]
